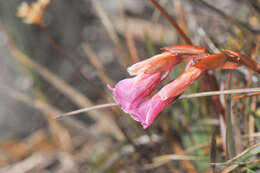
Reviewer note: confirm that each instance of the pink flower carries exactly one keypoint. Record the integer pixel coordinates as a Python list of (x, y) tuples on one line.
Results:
[(134, 95)]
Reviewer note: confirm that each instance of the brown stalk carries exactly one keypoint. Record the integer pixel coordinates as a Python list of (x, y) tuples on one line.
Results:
[(157, 14), (212, 81), (213, 85), (173, 23)]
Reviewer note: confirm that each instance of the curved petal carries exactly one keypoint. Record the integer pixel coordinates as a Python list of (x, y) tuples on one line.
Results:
[(180, 84), (157, 63), (130, 93)]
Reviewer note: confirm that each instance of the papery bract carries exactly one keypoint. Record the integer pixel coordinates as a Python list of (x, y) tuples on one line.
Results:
[(243, 60), (219, 60)]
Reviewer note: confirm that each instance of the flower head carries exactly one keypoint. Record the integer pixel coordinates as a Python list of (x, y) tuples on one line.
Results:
[(135, 95), (32, 14)]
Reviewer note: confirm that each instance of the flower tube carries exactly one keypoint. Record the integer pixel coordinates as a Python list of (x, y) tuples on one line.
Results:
[(131, 93)]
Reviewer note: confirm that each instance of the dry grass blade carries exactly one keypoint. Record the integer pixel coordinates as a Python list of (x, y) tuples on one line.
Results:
[(212, 93), (202, 94), (247, 95), (86, 110), (161, 160), (256, 135), (234, 162), (124, 60), (104, 123), (240, 158)]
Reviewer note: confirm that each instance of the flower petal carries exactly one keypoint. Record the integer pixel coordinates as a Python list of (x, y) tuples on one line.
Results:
[(130, 93), (157, 63), (180, 84), (151, 108)]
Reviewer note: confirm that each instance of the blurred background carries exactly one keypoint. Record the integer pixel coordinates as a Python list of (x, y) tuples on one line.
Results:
[(59, 56)]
